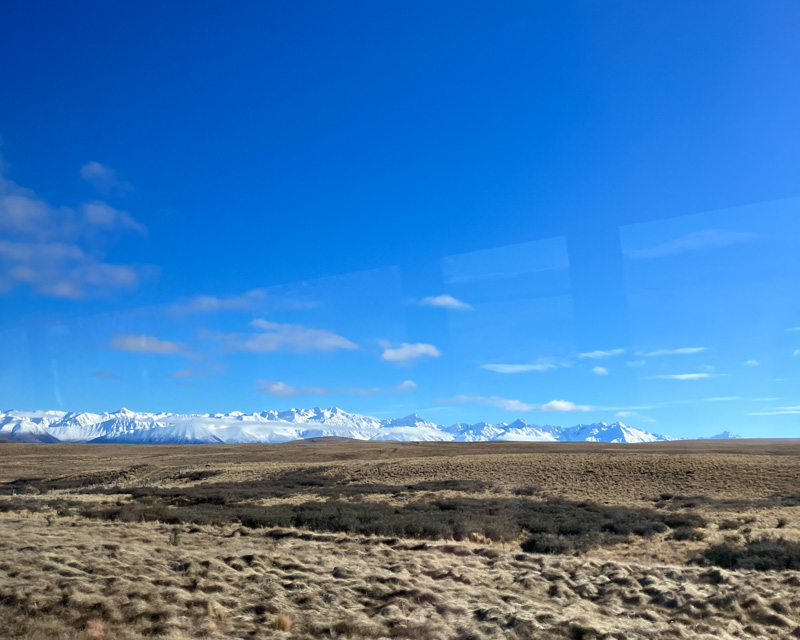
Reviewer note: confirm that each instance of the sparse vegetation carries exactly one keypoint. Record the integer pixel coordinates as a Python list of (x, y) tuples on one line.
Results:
[(396, 541)]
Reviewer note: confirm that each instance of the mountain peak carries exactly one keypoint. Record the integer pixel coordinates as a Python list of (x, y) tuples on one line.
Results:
[(725, 435)]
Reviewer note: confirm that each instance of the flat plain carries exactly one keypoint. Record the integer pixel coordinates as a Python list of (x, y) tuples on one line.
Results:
[(343, 539)]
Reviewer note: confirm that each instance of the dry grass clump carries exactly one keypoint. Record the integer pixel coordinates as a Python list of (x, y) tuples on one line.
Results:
[(282, 622)]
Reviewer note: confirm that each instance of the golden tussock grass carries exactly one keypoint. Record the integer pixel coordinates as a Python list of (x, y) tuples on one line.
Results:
[(68, 576)]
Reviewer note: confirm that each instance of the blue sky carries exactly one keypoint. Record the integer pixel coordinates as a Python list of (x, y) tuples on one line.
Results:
[(566, 212)]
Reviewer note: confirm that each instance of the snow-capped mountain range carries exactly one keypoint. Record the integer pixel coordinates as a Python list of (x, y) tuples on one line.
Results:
[(126, 426)]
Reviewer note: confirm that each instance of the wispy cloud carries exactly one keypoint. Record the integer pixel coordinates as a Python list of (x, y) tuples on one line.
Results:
[(181, 374), (519, 368), (636, 363), (600, 371), (682, 351), (284, 390), (104, 178), (621, 415), (60, 251), (596, 355), (140, 343), (274, 336), (722, 399), (752, 363), (684, 376), (515, 405), (105, 374), (445, 301), (695, 241), (248, 301), (777, 411), (793, 329), (491, 401), (408, 352), (202, 370)]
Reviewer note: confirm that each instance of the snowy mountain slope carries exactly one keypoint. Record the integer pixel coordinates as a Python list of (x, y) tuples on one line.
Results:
[(604, 432), (125, 426)]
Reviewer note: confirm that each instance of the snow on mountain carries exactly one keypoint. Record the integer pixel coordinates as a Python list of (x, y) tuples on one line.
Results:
[(725, 435), (519, 430), (125, 426), (27, 426), (605, 432), (478, 432)]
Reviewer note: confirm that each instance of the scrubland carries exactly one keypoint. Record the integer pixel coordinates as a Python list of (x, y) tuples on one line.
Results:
[(389, 540)]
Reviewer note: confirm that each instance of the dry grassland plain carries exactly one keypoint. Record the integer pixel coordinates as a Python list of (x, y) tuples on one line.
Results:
[(387, 540)]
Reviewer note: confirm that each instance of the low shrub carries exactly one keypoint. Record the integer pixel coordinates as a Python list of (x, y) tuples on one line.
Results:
[(764, 554), (549, 543), (554, 524), (687, 533)]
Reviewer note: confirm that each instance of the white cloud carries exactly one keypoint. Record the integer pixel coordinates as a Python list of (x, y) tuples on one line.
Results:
[(445, 301), (636, 363), (683, 351), (722, 399), (102, 214), (104, 178), (278, 388), (59, 251), (793, 329), (518, 368), (282, 389), (562, 405), (685, 376), (515, 405), (796, 353), (290, 337), (777, 411), (63, 270), (595, 355), (752, 363), (247, 301), (696, 241), (600, 371), (139, 343), (407, 352), (105, 374)]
